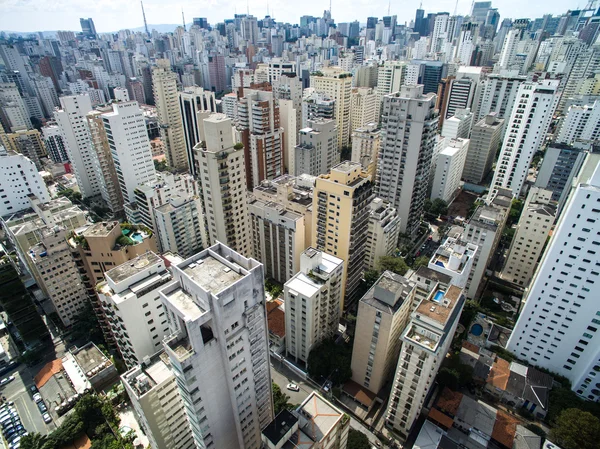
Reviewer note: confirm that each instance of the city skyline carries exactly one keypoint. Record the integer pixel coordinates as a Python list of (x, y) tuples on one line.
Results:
[(112, 15)]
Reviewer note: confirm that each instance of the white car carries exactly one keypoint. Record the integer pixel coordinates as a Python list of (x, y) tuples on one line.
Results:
[(37, 397), (293, 387), (47, 418), (7, 380)]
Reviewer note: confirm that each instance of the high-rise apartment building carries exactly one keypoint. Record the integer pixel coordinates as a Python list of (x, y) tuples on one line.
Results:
[(154, 395), (281, 216), (425, 343), (390, 77), (382, 236), (459, 125), (585, 65), (337, 84), (313, 297), (364, 108), (526, 130), (73, 124), (581, 123), (129, 146), (130, 299), (496, 93), (195, 103), (449, 166), (317, 150), (106, 172), (366, 142), (218, 347), (20, 179), (14, 111), (509, 48), (88, 29), (462, 90), (558, 325), (408, 135), (316, 105), (164, 88), (55, 145), (29, 143), (223, 182), (261, 133), (530, 237), (341, 218), (57, 273), (180, 226), (486, 138), (383, 313)]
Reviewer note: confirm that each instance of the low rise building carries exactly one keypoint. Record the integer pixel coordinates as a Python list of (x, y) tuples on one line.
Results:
[(97, 368)]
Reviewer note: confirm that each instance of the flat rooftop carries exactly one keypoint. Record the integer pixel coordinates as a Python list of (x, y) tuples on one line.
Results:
[(211, 274), (281, 425), (101, 229), (132, 267), (89, 357), (434, 307)]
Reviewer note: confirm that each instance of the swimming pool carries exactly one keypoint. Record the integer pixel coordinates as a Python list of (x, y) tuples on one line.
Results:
[(477, 329), (137, 237), (438, 296)]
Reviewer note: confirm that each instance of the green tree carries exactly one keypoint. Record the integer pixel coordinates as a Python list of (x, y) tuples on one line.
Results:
[(161, 165), (357, 440), (33, 441), (436, 207), (576, 429), (371, 277), (391, 263), (448, 378), (331, 361), (280, 400), (421, 261)]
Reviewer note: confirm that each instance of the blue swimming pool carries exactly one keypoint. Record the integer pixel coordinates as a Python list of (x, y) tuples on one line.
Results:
[(477, 329), (137, 237), (438, 296)]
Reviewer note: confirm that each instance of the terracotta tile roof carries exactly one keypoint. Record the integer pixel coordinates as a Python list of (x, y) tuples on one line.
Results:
[(449, 401), (359, 393), (46, 373), (440, 418), (276, 318), (82, 442), (505, 429), (470, 347), (499, 374)]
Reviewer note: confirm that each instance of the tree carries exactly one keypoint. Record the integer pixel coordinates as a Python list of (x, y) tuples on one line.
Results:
[(280, 400), (371, 277), (436, 207), (357, 440), (576, 429), (448, 378), (33, 441), (422, 261), (395, 264), (161, 165), (346, 153), (330, 360)]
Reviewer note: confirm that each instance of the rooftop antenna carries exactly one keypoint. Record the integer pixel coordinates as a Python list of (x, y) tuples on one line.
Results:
[(421, 5), (329, 7), (145, 23), (456, 7), (248, 8), (389, 7), (183, 17)]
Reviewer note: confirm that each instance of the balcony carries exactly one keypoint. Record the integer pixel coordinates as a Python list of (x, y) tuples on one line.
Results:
[(179, 347)]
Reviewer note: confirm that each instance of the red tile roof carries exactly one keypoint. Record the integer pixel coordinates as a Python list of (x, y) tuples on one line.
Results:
[(449, 401), (440, 418), (505, 429), (276, 318), (46, 373), (499, 374), (471, 347)]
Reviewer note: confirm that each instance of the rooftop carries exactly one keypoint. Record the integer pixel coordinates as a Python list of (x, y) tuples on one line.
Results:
[(499, 374), (440, 304), (317, 416), (211, 274), (276, 318), (280, 426), (132, 267), (389, 292), (101, 229), (90, 358)]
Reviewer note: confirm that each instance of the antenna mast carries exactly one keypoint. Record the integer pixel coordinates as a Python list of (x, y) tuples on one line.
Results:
[(389, 7), (183, 17), (456, 7), (145, 23)]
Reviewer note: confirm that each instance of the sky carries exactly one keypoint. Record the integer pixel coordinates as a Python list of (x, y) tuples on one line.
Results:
[(114, 15)]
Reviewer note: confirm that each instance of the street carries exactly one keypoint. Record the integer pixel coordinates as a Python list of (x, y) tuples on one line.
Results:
[(282, 376)]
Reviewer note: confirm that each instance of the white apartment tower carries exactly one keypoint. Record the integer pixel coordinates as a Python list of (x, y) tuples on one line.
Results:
[(218, 347), (20, 179), (130, 299), (526, 130), (317, 150), (130, 147), (580, 123), (459, 125), (409, 125), (532, 232), (154, 395), (449, 167), (223, 182), (509, 48), (454, 259), (337, 84), (73, 124), (179, 224), (496, 93), (312, 298), (425, 343), (164, 87), (390, 77), (559, 323), (382, 236)]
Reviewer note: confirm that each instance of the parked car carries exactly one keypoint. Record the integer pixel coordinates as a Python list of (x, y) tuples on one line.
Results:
[(42, 407), (33, 389), (6, 380), (47, 418), (37, 397), (293, 387)]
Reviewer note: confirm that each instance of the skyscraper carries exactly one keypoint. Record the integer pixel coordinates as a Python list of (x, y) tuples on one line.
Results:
[(219, 348), (535, 103), (558, 326), (164, 87), (408, 134), (486, 138), (87, 27)]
